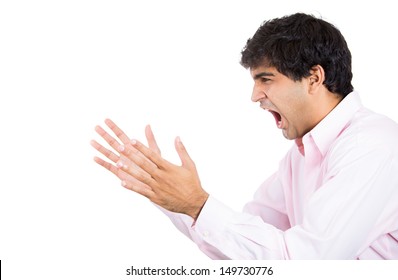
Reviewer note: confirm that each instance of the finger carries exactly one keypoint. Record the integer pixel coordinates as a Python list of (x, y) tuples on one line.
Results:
[(138, 159), (107, 137), (139, 188), (112, 168), (151, 140), (130, 182), (114, 157), (150, 155), (108, 153), (183, 154), (136, 172), (118, 132)]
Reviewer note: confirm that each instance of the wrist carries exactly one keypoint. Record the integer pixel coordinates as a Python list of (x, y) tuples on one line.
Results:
[(196, 208)]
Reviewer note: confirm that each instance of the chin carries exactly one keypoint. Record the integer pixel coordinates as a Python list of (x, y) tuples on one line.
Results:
[(288, 136)]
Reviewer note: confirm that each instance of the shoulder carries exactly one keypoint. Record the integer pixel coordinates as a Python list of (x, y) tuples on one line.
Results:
[(367, 133), (370, 130)]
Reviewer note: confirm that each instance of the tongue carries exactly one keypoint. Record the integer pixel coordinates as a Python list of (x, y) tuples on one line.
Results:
[(278, 119)]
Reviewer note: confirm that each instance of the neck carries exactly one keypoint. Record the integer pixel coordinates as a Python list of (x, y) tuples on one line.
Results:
[(324, 103)]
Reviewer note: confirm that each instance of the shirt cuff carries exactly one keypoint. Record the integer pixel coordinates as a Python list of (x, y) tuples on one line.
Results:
[(213, 218)]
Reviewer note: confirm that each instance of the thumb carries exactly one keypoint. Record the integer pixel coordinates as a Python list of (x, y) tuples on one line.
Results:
[(183, 154)]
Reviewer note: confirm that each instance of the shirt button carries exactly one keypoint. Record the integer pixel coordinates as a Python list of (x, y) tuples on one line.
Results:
[(206, 233)]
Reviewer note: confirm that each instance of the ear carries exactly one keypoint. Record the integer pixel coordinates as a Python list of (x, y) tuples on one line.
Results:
[(316, 78)]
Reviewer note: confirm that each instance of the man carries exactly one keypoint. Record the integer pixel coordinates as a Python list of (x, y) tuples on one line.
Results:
[(335, 195)]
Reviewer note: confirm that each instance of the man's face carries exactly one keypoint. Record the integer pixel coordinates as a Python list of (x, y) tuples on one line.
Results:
[(288, 101)]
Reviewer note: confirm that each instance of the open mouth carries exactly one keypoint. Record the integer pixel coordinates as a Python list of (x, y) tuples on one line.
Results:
[(278, 118)]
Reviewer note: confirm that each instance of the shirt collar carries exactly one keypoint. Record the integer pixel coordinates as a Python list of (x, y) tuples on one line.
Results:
[(326, 131)]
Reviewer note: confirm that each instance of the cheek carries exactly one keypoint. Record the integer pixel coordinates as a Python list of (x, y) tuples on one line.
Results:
[(294, 113)]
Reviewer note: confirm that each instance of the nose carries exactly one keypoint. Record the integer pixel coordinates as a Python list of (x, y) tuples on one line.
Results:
[(257, 94)]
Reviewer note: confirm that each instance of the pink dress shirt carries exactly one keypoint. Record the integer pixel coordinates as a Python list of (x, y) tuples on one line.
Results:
[(335, 196)]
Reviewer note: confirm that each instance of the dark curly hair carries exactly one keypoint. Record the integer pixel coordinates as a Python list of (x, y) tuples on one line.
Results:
[(294, 44)]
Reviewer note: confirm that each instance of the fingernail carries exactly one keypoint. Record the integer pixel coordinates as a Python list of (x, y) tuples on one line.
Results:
[(123, 183), (121, 148), (133, 141), (119, 163), (179, 139)]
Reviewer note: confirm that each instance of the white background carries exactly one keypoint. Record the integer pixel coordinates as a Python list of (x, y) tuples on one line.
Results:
[(65, 66)]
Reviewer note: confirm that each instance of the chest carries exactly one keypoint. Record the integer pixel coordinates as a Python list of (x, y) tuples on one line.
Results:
[(304, 178)]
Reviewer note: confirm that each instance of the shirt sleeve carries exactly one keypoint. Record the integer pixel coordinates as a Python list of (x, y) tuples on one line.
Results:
[(237, 235), (339, 221), (269, 203), (223, 233)]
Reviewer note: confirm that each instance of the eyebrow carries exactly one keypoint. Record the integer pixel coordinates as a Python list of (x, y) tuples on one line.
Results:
[(262, 74)]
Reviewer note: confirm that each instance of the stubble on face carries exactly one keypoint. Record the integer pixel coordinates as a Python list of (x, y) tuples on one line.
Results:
[(284, 98)]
